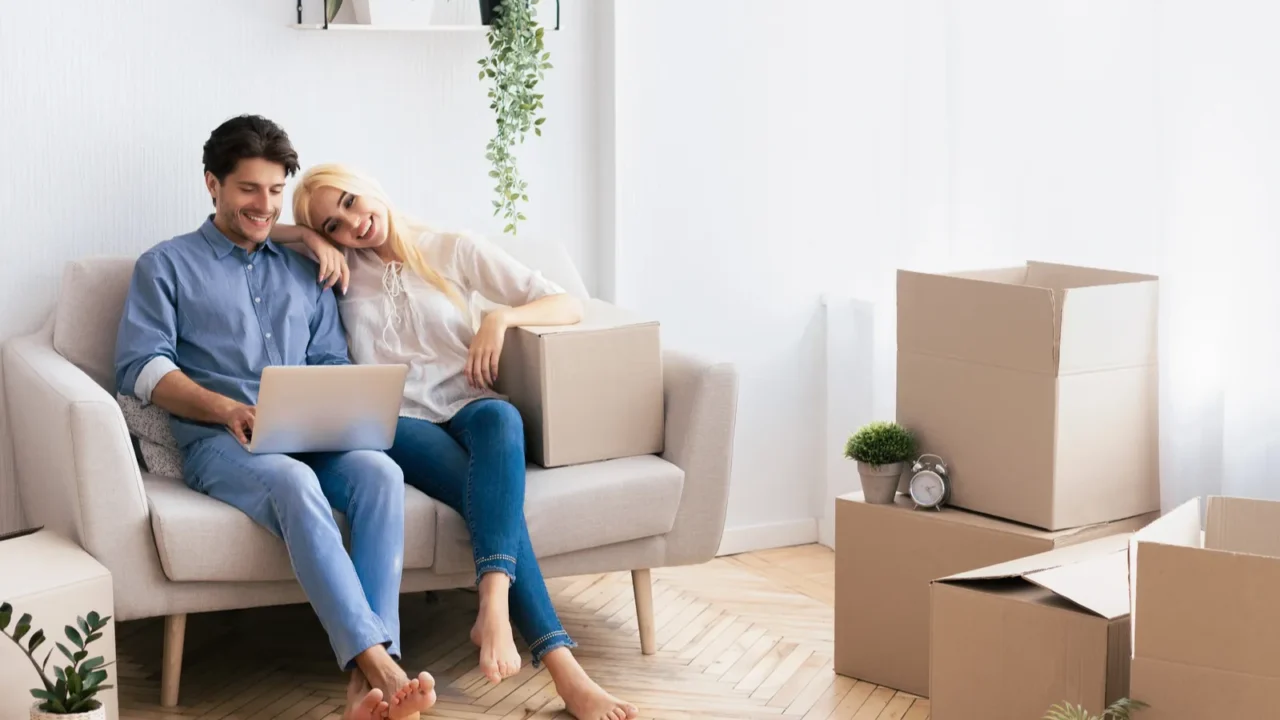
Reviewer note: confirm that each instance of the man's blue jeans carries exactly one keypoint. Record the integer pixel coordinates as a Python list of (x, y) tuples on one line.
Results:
[(475, 464), (355, 596)]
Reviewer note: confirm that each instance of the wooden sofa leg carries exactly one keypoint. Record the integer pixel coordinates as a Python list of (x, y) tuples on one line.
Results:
[(643, 586), (175, 631)]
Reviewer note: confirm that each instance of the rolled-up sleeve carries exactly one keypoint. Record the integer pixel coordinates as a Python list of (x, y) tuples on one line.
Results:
[(328, 340), (146, 341)]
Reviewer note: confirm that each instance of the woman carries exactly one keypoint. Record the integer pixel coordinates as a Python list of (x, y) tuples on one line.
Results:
[(458, 440)]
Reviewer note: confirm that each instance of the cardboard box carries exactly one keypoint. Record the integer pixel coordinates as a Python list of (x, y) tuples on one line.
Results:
[(54, 581), (589, 391), (886, 558), (1010, 641), (1205, 630), (1038, 386)]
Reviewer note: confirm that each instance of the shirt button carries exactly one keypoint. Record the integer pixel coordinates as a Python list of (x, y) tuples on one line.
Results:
[(257, 300), (268, 336), (250, 266)]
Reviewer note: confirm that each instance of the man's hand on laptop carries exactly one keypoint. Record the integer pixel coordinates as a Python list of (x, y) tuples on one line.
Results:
[(239, 418)]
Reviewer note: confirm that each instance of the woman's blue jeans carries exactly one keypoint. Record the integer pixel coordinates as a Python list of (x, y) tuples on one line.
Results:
[(475, 464)]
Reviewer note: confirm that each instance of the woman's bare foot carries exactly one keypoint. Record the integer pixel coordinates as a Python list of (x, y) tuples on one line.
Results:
[(418, 696), (583, 698), (363, 702), (499, 658)]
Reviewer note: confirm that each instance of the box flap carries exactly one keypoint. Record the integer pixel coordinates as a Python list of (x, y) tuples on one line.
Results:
[(596, 315), (1243, 525), (1108, 327), (1099, 584), (981, 317), (1057, 557), (1093, 574)]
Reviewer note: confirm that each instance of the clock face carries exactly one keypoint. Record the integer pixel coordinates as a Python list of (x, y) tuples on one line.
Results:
[(927, 489)]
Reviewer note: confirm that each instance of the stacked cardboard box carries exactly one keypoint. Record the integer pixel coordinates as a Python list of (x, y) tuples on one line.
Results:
[(1038, 387)]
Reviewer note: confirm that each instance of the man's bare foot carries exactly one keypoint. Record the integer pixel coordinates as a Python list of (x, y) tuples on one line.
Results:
[(418, 696), (499, 658), (381, 671), (583, 698), (363, 702)]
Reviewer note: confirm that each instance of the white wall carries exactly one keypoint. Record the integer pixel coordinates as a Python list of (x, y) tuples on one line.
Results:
[(104, 107), (770, 154)]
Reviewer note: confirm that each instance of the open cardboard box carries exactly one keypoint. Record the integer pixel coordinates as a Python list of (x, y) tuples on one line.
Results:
[(1206, 637), (888, 555), (1038, 385), (1009, 641)]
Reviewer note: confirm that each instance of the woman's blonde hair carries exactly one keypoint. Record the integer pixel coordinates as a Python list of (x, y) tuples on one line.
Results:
[(402, 231)]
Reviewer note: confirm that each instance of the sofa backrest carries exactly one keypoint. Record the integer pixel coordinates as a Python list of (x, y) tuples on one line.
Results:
[(91, 301)]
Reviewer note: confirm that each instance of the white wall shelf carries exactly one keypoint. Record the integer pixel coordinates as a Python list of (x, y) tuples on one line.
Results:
[(391, 28)]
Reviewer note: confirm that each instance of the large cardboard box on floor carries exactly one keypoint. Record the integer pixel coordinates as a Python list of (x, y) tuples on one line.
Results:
[(1010, 641), (1038, 385), (588, 391), (1205, 604), (56, 582), (886, 558)]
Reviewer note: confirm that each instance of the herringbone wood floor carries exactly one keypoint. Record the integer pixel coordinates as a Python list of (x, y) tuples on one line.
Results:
[(747, 636)]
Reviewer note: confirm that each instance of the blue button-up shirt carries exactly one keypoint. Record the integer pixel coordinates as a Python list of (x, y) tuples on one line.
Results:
[(200, 304)]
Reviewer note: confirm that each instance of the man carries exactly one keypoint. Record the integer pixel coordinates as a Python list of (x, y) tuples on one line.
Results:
[(205, 313)]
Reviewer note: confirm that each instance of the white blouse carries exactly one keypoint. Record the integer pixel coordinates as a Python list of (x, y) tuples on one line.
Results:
[(393, 316)]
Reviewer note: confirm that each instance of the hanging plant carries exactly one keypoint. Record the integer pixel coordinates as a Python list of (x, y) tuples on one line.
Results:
[(516, 63), (331, 8)]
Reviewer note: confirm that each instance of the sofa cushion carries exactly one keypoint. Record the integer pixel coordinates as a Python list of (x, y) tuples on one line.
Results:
[(150, 425), (90, 303), (579, 506), (200, 538)]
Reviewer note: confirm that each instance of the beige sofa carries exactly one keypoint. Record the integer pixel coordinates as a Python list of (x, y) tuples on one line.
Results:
[(173, 551)]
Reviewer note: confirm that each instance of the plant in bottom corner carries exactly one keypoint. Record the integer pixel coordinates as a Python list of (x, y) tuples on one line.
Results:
[(72, 688), (1121, 709), (516, 63)]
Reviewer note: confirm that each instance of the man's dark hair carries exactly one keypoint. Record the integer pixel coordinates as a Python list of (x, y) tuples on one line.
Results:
[(244, 137)]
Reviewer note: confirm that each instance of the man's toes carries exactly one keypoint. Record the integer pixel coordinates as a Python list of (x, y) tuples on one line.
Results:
[(426, 683)]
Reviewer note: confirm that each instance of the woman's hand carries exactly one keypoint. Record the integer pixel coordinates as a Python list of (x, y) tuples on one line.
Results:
[(486, 349), (333, 263)]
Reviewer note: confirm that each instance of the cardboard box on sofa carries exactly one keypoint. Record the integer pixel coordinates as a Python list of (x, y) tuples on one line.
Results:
[(1038, 385), (589, 391), (886, 558), (1009, 641), (1205, 628)]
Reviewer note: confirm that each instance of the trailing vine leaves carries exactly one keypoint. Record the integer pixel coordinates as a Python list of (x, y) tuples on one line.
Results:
[(516, 63)]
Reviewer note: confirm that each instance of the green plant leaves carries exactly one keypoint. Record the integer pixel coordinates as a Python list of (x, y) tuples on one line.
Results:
[(35, 642), (515, 65), (331, 8), (6, 614), (1119, 710), (74, 637), (880, 443)]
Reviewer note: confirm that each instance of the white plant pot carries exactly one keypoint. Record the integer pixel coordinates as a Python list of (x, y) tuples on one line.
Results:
[(880, 484), (38, 714), (401, 13)]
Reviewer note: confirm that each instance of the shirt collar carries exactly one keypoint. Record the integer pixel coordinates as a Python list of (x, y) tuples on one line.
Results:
[(222, 247)]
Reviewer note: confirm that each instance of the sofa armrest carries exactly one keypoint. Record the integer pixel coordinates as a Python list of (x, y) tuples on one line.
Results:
[(701, 400), (76, 469)]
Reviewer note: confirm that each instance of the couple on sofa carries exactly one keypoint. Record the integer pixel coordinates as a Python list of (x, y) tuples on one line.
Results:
[(207, 311)]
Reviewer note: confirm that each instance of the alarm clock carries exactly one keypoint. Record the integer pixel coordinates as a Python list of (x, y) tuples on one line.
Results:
[(930, 485)]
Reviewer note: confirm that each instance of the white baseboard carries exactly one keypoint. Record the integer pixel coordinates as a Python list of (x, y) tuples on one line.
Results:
[(750, 538), (827, 533)]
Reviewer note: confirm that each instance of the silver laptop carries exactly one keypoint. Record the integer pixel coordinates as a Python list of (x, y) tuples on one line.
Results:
[(327, 408)]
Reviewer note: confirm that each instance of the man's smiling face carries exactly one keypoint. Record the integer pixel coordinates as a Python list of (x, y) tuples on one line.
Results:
[(248, 202)]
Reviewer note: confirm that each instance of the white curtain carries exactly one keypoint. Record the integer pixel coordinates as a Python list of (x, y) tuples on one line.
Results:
[(1132, 134)]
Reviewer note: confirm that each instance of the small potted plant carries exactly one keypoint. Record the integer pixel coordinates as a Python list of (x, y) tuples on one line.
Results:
[(880, 448), (71, 694), (1121, 709)]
